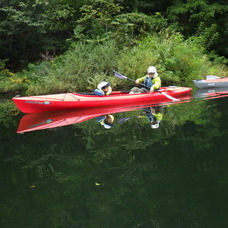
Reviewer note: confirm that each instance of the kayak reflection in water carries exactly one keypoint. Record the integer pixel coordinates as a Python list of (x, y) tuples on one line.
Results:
[(155, 115), (106, 121), (103, 88)]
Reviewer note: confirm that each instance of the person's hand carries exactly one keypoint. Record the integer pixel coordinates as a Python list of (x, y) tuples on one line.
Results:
[(137, 81), (109, 90), (151, 90)]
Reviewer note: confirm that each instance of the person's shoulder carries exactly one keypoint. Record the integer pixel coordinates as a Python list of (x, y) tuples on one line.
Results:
[(142, 78), (98, 92)]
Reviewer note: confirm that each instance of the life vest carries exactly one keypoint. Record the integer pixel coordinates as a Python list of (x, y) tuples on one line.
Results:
[(148, 81), (152, 82), (100, 92)]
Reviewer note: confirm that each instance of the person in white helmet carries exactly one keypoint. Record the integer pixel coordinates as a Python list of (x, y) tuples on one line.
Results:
[(106, 121), (103, 88), (151, 80)]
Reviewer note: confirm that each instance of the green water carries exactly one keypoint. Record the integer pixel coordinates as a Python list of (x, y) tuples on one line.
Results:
[(131, 175)]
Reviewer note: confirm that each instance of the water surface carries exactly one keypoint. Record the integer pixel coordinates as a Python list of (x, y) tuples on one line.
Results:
[(84, 175)]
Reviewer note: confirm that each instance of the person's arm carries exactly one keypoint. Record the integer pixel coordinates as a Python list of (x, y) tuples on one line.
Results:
[(156, 85), (140, 80), (109, 90)]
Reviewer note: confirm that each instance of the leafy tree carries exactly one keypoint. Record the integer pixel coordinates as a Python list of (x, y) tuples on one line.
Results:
[(203, 18), (29, 28), (35, 30), (95, 21), (146, 6), (104, 20)]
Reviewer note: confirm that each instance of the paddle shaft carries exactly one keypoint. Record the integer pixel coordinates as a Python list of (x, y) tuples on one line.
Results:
[(138, 83)]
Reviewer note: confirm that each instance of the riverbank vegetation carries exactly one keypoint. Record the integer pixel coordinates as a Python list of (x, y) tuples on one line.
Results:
[(82, 42)]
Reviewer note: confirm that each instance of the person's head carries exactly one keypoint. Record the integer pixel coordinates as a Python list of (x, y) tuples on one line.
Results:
[(104, 86), (152, 72), (108, 121)]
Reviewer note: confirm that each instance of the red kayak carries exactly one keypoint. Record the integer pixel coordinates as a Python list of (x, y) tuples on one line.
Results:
[(66, 101), (46, 120)]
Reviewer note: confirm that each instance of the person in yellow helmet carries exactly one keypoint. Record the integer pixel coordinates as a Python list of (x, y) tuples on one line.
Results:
[(151, 80)]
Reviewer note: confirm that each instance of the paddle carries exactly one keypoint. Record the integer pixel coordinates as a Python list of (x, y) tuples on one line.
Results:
[(120, 76)]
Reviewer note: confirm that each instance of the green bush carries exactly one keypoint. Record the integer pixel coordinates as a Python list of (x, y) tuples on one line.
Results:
[(81, 68), (10, 81), (177, 60)]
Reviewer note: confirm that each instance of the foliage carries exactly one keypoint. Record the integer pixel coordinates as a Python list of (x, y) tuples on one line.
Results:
[(9, 81), (33, 25), (96, 17), (83, 66), (176, 59), (203, 18), (103, 20), (19, 30), (8, 112), (79, 69), (127, 28)]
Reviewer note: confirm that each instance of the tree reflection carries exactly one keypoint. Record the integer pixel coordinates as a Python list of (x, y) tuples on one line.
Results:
[(130, 176)]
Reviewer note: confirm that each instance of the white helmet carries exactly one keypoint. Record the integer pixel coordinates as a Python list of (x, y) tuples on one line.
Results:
[(152, 70), (155, 125), (103, 85), (107, 126)]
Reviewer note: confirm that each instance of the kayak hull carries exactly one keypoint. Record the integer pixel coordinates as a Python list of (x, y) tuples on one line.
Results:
[(54, 102), (211, 83)]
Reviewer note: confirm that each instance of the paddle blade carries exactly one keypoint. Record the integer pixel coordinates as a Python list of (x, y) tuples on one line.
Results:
[(118, 75)]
